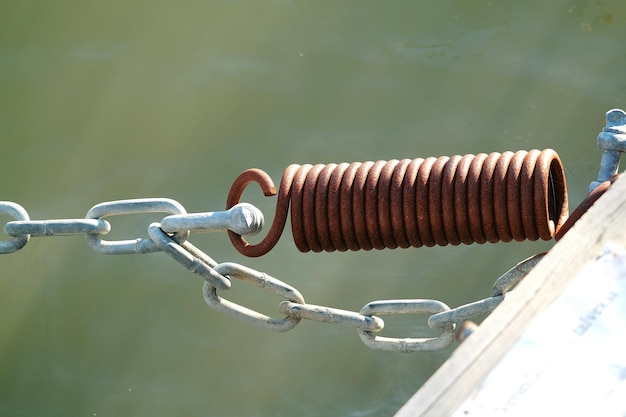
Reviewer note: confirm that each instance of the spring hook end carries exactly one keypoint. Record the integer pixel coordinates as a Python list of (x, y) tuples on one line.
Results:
[(269, 189)]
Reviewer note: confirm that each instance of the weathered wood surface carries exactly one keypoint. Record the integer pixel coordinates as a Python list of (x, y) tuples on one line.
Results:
[(455, 380)]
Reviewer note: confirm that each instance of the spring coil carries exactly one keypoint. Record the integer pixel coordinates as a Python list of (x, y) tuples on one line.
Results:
[(420, 202)]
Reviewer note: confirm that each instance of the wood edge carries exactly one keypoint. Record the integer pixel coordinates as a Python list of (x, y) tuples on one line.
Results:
[(470, 363)]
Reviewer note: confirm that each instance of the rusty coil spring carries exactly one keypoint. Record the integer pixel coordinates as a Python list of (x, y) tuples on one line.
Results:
[(420, 202)]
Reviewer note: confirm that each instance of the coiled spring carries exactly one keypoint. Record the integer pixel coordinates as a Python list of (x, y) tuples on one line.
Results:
[(420, 202)]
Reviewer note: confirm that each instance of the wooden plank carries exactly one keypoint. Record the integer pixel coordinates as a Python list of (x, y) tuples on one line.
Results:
[(455, 380)]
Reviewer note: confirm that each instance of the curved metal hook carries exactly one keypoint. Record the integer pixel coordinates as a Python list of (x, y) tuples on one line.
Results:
[(282, 207)]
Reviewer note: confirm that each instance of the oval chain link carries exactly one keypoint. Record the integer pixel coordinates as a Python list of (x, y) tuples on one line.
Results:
[(133, 206), (330, 315), (58, 227), (18, 213), (502, 285), (185, 254), (260, 280), (427, 344)]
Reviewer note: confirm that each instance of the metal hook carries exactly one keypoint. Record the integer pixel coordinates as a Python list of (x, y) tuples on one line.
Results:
[(269, 189)]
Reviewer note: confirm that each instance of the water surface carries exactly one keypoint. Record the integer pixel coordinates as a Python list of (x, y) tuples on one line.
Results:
[(111, 100)]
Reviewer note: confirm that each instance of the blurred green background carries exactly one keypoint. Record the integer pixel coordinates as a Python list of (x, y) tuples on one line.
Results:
[(109, 100)]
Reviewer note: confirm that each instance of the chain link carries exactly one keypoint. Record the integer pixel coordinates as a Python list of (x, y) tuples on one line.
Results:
[(332, 316), (261, 280), (138, 206), (407, 344), (186, 255), (485, 306), (60, 227), (17, 212), (171, 234)]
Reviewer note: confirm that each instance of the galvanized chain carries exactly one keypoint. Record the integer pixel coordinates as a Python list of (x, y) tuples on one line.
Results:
[(170, 236)]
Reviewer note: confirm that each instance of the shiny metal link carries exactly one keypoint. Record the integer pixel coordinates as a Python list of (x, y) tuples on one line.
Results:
[(332, 315), (406, 344), (193, 263), (140, 205), (261, 280), (465, 312), (194, 251), (57, 227), (243, 219), (17, 212), (514, 275), (505, 283)]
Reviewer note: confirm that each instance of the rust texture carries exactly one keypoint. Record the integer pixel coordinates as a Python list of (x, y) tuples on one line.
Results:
[(420, 202), (582, 208)]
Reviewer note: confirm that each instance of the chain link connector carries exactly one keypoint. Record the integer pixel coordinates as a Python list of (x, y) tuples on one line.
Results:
[(332, 315), (261, 280), (17, 212), (407, 344), (133, 206), (194, 251), (187, 258), (514, 275), (58, 227), (502, 285), (465, 312), (243, 219)]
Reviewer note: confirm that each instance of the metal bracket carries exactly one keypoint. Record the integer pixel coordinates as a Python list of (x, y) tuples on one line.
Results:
[(612, 140)]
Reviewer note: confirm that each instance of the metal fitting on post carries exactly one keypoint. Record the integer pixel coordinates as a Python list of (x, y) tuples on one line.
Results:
[(612, 140)]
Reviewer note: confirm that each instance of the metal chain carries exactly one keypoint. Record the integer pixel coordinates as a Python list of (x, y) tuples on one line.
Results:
[(170, 236)]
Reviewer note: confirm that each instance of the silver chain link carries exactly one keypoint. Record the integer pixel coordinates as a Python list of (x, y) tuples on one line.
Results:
[(170, 236)]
